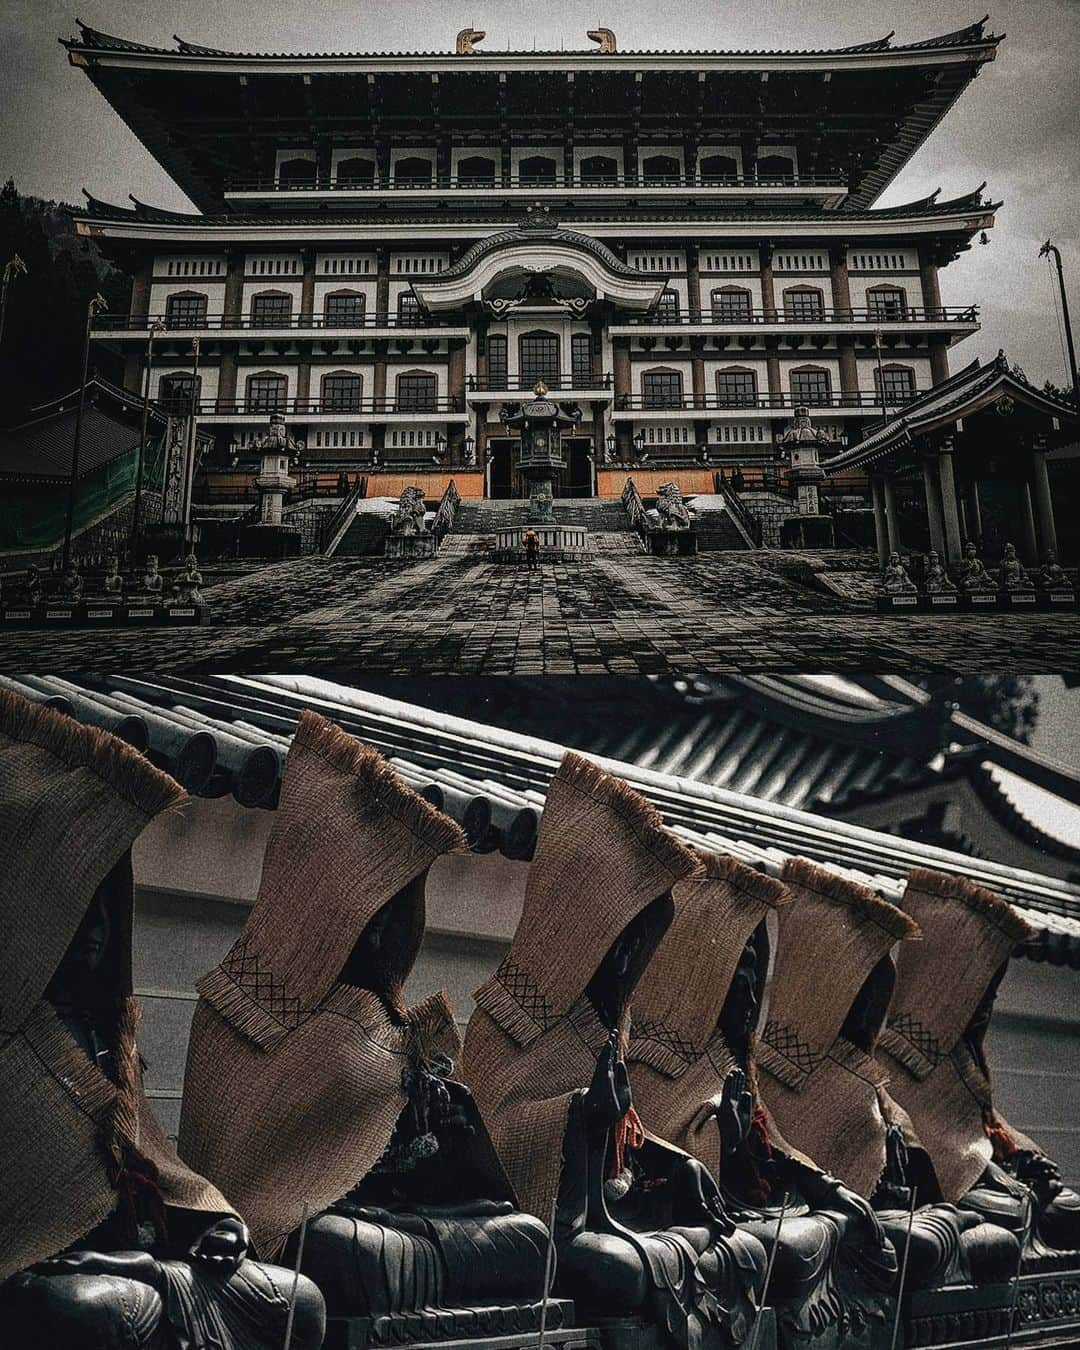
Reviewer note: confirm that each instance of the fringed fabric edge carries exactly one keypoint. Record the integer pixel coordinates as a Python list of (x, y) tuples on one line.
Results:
[(780, 1066), (239, 1009), (494, 998), (433, 1025), (802, 872), (112, 760), (658, 1055), (377, 778), (747, 880), (583, 776), (91, 1091), (976, 898), (919, 1064)]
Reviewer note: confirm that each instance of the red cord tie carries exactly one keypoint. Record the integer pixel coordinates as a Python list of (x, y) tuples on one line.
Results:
[(1003, 1142), (136, 1183), (629, 1134)]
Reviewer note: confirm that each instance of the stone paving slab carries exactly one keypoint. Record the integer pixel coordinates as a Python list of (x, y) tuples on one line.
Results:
[(617, 613)]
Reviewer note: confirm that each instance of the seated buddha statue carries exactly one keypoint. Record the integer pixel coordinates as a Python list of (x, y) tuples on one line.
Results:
[(1011, 574), (351, 1113), (153, 583), (70, 586), (894, 579), (640, 1227), (112, 584), (106, 1238), (936, 580), (825, 1088), (695, 1019), (933, 1047), (1052, 576), (971, 575)]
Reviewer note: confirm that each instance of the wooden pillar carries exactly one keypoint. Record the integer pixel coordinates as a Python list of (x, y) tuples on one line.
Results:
[(1044, 501), (768, 289), (950, 514), (307, 288), (233, 306), (931, 286), (620, 359), (139, 304), (697, 373), (881, 528), (849, 368), (841, 287), (455, 373), (596, 345), (1029, 542), (382, 286), (303, 382), (693, 281), (974, 514), (939, 362), (892, 520), (772, 370), (378, 393), (934, 514)]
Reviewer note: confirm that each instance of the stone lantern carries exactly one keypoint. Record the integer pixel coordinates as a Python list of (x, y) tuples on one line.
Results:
[(541, 423), (279, 452), (801, 445)]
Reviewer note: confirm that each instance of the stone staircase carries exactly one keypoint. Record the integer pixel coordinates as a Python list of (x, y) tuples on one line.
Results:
[(716, 531), (595, 514), (366, 536)]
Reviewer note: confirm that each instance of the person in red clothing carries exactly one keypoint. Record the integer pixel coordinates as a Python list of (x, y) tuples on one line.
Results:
[(531, 540)]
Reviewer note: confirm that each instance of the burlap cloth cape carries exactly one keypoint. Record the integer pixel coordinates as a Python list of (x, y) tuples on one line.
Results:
[(294, 1079), (602, 857), (72, 802), (678, 1057), (827, 1095), (940, 1080)]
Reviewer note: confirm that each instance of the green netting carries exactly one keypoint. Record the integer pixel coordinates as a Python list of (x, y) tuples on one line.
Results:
[(33, 515)]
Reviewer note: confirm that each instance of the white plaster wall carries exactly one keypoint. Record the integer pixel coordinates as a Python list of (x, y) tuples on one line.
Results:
[(795, 360), (292, 286), (208, 376), (661, 360), (910, 285), (712, 282), (867, 367), (331, 285), (212, 287)]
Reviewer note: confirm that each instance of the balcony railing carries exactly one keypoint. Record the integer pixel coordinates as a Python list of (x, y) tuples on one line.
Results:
[(902, 314), (329, 407), (727, 402), (560, 384), (173, 324), (536, 182)]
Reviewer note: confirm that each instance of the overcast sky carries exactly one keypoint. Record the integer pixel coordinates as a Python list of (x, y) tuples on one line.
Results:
[(1016, 126)]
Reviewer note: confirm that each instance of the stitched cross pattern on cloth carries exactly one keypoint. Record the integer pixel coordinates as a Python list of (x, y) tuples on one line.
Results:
[(913, 1030), (785, 1042), (524, 990), (242, 966), (663, 1035)]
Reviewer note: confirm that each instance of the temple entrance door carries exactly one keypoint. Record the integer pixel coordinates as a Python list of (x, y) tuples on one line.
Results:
[(577, 480), (1001, 516), (503, 450)]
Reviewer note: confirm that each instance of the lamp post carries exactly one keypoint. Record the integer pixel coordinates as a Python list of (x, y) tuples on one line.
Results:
[(156, 327), (14, 267), (1048, 249), (470, 450), (610, 443), (639, 443), (95, 306), (881, 377), (192, 442)]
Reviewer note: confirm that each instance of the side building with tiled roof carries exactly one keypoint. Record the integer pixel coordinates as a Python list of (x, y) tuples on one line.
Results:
[(389, 246)]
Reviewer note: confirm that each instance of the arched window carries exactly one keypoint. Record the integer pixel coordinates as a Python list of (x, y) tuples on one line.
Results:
[(497, 370), (266, 392), (662, 389), (894, 384), (667, 311), (662, 169), (886, 303), (341, 392), (175, 392), (413, 172), (581, 360), (344, 309), (538, 359), (185, 309), (804, 304), (600, 170), (476, 171), (736, 387), (296, 173), (731, 304), (775, 169), (271, 309), (718, 169), (355, 172), (810, 385), (416, 392), (537, 171)]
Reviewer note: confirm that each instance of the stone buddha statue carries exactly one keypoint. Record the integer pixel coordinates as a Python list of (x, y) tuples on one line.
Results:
[(695, 1018), (1011, 574), (350, 1108), (824, 1086), (107, 1239), (187, 584), (640, 1226), (894, 579), (70, 586), (1052, 576), (33, 589), (113, 582), (152, 581), (971, 575), (937, 581), (933, 1048)]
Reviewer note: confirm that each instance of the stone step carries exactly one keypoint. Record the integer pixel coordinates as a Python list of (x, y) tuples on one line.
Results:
[(717, 532), (485, 517), (366, 536)]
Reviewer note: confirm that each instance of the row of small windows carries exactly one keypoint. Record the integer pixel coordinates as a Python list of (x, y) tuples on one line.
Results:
[(679, 435), (881, 262), (729, 262), (535, 170), (739, 388), (802, 304), (346, 266), (273, 267), (273, 309), (409, 265), (195, 267), (801, 262), (337, 440), (411, 439), (741, 432), (658, 262), (341, 391)]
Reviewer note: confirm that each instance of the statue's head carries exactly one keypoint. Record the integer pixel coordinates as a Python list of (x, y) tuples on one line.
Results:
[(932, 558), (386, 949), (610, 988), (1051, 557), (1010, 551), (192, 562), (894, 559), (969, 549), (113, 564), (151, 562)]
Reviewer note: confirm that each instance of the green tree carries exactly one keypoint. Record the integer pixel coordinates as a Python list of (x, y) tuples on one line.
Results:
[(1008, 703)]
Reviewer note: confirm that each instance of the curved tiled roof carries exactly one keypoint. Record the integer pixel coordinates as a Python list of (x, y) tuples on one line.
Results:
[(524, 234)]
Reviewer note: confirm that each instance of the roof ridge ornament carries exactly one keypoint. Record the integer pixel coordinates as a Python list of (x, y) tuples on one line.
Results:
[(538, 217), (605, 37), (467, 40)]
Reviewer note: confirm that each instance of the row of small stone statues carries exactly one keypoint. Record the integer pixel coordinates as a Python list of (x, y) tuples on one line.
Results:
[(71, 587), (970, 576), (681, 1061)]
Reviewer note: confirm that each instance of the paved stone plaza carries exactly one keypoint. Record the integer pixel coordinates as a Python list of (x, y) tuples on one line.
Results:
[(620, 613)]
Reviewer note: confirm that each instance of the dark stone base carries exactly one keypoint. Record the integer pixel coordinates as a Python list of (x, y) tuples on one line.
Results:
[(807, 532), (411, 546), (492, 1328), (102, 614), (671, 543), (944, 602), (632, 1333), (979, 601), (1046, 1313), (908, 603)]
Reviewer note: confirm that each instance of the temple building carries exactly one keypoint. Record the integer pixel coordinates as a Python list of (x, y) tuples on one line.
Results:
[(390, 246)]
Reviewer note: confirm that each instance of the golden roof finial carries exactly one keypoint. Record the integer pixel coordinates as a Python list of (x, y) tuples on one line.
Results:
[(605, 37)]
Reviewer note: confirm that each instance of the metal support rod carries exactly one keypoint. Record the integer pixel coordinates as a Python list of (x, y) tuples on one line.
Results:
[(1049, 248), (156, 327), (97, 303)]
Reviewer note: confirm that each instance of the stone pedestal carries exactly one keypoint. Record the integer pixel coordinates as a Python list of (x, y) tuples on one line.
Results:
[(558, 543), (411, 546)]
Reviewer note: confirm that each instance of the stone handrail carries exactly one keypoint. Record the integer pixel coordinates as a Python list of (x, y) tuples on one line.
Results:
[(448, 505), (339, 522)]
